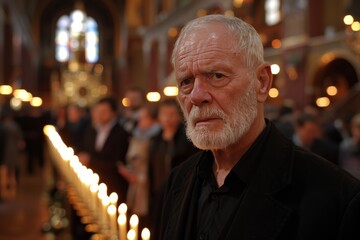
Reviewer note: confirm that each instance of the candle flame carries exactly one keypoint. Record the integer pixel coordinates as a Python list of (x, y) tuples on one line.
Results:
[(122, 208), (145, 234)]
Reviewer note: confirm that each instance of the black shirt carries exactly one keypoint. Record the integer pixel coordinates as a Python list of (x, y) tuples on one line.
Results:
[(217, 206)]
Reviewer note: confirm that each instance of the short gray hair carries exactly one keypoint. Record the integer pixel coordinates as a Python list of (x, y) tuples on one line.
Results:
[(246, 38)]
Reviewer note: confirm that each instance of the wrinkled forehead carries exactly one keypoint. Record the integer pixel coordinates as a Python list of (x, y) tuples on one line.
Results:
[(201, 40)]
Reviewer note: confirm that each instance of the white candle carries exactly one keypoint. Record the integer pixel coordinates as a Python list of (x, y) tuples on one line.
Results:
[(122, 226), (114, 198), (112, 218), (145, 234), (134, 224), (94, 190), (105, 203), (131, 235), (122, 208)]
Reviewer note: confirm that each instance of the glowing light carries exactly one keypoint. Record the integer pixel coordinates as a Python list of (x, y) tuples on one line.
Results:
[(122, 208), (348, 19), (229, 13), (238, 3), (331, 90), (171, 91), (113, 198), (131, 234), (19, 93), (355, 26), (125, 102), (323, 102), (173, 32), (273, 92), (6, 89), (134, 220), (276, 43), (15, 103), (275, 69), (145, 234), (201, 13), (111, 210), (153, 96), (36, 102)]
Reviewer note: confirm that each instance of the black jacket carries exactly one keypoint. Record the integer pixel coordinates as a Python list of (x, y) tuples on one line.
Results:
[(105, 162), (292, 194)]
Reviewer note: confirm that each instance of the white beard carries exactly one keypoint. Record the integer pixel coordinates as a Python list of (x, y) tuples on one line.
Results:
[(234, 126)]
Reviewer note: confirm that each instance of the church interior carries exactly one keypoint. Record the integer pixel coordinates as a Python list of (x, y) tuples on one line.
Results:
[(57, 53)]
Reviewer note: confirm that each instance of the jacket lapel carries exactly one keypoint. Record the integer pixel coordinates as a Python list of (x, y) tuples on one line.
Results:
[(259, 204), (181, 221), (188, 210)]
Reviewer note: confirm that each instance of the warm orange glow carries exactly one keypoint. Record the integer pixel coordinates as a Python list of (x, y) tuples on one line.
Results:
[(36, 102), (173, 32), (171, 91), (323, 102), (125, 102), (201, 13), (348, 19), (6, 89), (276, 43), (331, 90), (229, 13), (273, 92), (238, 3), (153, 96), (355, 26)]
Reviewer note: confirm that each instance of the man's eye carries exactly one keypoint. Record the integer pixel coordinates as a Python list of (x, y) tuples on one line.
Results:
[(185, 82), (218, 75), (186, 85)]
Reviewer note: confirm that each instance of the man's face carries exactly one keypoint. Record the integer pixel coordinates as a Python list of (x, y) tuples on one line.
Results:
[(216, 94), (135, 99), (169, 117), (103, 113), (309, 132)]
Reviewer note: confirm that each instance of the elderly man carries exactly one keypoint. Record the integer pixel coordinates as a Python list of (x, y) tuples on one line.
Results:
[(250, 182)]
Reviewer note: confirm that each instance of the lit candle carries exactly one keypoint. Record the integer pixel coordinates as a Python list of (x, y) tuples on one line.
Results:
[(114, 198), (122, 208), (94, 189), (131, 235), (145, 234), (112, 218), (122, 226), (105, 203), (134, 224)]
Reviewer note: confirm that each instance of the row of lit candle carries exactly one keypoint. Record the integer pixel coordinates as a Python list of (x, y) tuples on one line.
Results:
[(100, 208)]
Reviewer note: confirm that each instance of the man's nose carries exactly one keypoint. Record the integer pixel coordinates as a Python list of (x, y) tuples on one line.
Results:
[(200, 93)]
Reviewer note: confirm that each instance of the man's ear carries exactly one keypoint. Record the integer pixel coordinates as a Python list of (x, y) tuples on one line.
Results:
[(264, 80)]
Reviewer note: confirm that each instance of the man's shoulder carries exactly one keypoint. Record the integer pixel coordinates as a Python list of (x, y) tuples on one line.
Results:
[(187, 167), (316, 170)]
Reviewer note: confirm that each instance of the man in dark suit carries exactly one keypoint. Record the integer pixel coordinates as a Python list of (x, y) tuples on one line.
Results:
[(105, 145), (309, 135), (250, 182)]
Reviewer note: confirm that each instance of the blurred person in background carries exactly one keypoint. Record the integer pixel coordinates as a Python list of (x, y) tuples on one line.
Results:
[(349, 156), (12, 153), (309, 135), (2, 166), (77, 121), (105, 145), (136, 169), (135, 98), (169, 148)]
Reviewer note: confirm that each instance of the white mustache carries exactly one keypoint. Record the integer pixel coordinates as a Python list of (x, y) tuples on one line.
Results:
[(197, 114)]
